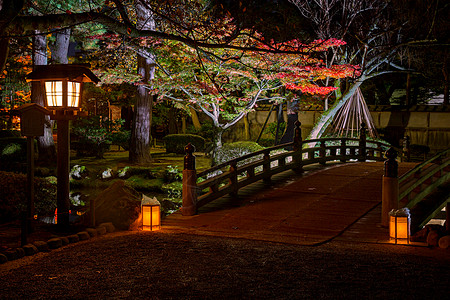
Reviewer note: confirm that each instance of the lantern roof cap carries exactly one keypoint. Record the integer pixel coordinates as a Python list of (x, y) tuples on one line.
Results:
[(78, 72), (146, 200), (33, 106)]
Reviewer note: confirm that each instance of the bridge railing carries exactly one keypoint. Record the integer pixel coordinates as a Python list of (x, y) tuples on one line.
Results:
[(413, 189), (228, 177)]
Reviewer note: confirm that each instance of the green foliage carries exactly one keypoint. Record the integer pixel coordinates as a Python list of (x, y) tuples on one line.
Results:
[(121, 138), (175, 143), (272, 129), (231, 151), (172, 173), (144, 185), (173, 189), (13, 197), (208, 131), (144, 172), (95, 135), (13, 154)]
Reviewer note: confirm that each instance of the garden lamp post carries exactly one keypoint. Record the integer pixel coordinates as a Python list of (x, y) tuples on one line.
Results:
[(62, 85)]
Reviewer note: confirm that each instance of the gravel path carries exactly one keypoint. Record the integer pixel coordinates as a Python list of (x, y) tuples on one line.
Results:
[(159, 265)]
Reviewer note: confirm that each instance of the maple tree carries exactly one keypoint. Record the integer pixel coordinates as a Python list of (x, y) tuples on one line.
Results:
[(227, 84)]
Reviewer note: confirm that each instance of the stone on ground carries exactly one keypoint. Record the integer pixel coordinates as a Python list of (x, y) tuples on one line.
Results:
[(55, 243), (83, 235), (118, 204), (30, 249), (42, 246), (444, 242)]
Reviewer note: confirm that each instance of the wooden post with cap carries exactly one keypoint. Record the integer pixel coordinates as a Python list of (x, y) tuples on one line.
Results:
[(189, 206), (389, 199), (362, 143), (297, 156)]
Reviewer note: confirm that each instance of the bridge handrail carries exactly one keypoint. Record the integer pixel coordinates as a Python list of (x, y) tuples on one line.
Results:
[(244, 157), (297, 155), (419, 167), (411, 185)]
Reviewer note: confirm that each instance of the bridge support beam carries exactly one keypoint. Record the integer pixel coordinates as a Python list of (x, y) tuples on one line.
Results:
[(389, 196)]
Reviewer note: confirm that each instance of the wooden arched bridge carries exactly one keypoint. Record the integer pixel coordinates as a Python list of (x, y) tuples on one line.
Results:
[(278, 194)]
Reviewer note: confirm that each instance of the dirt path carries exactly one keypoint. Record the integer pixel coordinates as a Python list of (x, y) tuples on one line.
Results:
[(159, 265)]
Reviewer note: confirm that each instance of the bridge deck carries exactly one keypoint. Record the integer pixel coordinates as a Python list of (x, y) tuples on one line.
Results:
[(339, 201)]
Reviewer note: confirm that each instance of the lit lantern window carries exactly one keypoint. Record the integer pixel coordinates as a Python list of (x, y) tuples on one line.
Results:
[(399, 225), (54, 93), (151, 214)]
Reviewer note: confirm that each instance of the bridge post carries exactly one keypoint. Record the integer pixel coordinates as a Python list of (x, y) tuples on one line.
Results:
[(343, 151), (322, 153), (389, 199), (266, 167), (234, 179), (189, 206), (298, 156), (362, 143)]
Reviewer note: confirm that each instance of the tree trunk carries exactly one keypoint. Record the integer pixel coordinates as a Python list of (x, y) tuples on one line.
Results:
[(327, 117), (45, 143), (195, 119), (61, 47), (217, 146), (172, 121), (140, 135)]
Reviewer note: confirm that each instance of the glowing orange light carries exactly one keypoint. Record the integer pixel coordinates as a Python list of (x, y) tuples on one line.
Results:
[(151, 214)]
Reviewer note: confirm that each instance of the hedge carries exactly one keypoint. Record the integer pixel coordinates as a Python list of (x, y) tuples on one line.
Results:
[(175, 143)]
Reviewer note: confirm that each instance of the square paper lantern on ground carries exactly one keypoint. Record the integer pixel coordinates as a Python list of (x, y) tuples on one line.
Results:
[(151, 214), (399, 225)]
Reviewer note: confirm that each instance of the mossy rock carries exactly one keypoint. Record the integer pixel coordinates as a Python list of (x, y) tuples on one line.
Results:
[(119, 204)]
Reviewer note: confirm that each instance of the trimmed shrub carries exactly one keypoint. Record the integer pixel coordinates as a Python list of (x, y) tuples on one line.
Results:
[(231, 151), (13, 197), (267, 142), (175, 143)]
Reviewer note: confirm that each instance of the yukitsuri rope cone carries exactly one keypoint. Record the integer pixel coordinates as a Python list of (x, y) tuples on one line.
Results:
[(348, 119)]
